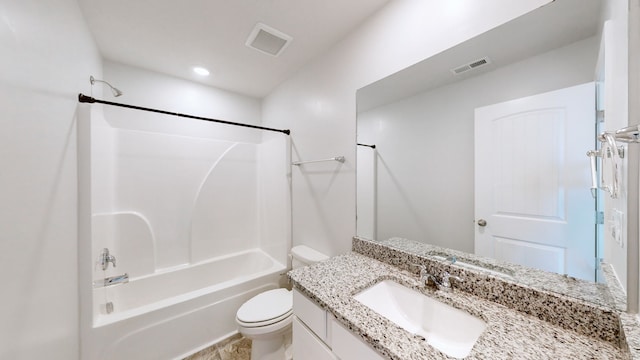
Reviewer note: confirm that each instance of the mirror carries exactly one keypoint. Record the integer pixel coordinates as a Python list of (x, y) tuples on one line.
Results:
[(418, 183)]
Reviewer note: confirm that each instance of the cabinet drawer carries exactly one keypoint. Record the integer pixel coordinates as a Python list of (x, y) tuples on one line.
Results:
[(313, 316), (307, 346)]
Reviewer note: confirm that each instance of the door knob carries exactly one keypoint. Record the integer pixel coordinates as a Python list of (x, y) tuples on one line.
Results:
[(482, 222)]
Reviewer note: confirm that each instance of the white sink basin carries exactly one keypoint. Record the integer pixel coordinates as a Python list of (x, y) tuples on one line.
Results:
[(450, 330)]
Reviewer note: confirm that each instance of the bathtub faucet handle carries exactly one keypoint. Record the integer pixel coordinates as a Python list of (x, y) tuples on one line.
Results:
[(106, 258)]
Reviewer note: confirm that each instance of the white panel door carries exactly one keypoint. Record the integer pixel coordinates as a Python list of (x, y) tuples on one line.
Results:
[(532, 181)]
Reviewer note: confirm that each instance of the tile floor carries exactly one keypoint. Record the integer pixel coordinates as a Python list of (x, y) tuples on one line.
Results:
[(234, 348)]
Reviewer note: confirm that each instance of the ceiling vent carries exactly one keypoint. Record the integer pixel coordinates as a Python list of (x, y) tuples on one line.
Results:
[(470, 66), (268, 40)]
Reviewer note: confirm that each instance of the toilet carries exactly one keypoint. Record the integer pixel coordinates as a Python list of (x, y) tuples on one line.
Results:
[(266, 317)]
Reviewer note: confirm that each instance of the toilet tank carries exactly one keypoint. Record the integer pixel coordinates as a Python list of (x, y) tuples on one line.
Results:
[(303, 255)]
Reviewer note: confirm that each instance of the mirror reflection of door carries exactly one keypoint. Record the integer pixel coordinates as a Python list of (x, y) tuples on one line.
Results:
[(533, 206), (418, 183)]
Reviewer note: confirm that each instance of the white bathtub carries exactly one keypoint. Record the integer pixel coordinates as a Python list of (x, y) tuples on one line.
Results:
[(171, 314)]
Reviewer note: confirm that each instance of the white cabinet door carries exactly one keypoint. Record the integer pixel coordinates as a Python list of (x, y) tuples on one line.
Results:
[(314, 317), (532, 181), (347, 346), (307, 346)]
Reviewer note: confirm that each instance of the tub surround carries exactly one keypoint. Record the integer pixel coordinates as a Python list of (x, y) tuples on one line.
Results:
[(538, 325)]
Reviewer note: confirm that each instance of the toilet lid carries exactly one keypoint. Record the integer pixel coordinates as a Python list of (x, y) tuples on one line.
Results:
[(266, 306)]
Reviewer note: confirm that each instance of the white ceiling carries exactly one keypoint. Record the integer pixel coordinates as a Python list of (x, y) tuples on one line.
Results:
[(557, 24), (171, 36)]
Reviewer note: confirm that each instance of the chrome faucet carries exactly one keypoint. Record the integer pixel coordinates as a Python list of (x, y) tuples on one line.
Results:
[(425, 277), (444, 283), (106, 258), (110, 281)]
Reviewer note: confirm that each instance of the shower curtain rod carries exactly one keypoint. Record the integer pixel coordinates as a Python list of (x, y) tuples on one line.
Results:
[(88, 99), (371, 146)]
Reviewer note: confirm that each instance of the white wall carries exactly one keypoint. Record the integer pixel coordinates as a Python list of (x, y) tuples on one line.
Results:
[(154, 90), (634, 113), (47, 57), (615, 76), (319, 103), (425, 144)]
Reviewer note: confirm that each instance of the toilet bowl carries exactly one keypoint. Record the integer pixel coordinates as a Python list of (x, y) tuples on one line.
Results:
[(266, 318)]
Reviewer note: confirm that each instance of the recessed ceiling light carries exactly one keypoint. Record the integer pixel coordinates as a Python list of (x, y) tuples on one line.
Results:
[(201, 71)]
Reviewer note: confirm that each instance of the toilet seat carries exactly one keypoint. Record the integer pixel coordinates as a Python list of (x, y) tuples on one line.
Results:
[(267, 308)]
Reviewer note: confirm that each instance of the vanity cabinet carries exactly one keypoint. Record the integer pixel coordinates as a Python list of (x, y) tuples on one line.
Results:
[(306, 345), (311, 338), (348, 347), (317, 335)]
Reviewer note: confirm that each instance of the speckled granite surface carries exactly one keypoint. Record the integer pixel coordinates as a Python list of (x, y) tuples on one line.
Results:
[(570, 312), (587, 291), (510, 334), (628, 322)]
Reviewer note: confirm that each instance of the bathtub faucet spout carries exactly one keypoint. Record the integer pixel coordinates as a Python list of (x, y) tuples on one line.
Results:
[(112, 280)]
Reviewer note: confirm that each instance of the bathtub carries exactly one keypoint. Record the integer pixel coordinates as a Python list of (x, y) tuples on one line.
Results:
[(173, 313)]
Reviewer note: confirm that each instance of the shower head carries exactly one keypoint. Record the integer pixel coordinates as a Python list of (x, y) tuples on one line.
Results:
[(116, 92)]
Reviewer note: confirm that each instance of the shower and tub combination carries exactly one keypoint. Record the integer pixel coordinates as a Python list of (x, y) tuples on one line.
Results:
[(179, 225)]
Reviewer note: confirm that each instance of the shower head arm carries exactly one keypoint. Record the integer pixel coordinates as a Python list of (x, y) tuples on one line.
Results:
[(116, 92)]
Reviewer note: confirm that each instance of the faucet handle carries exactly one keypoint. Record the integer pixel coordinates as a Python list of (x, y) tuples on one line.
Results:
[(423, 269), (106, 258), (446, 277)]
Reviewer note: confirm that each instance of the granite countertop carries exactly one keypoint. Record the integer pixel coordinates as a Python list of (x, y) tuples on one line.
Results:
[(532, 292), (589, 291), (510, 334)]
